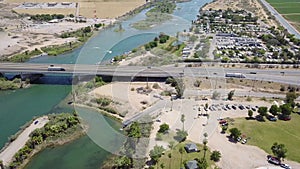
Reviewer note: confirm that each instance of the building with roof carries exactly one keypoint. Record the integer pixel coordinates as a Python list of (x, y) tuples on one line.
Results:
[(191, 147), (192, 165)]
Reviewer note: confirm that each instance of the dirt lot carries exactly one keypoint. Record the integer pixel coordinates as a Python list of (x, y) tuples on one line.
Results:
[(100, 8)]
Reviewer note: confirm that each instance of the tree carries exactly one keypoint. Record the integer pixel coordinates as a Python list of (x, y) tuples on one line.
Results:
[(262, 111), (197, 83), (163, 128), (181, 135), (216, 95), (204, 147), (123, 162), (162, 165), (279, 150), (206, 107), (286, 109), (202, 163), (135, 130), (215, 156), (179, 88), (224, 129), (156, 153), (170, 157), (235, 133), (274, 109), (250, 113), (230, 94), (290, 98), (181, 152), (182, 119), (205, 135)]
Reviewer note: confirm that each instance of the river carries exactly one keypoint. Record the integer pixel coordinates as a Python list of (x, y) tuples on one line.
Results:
[(18, 107)]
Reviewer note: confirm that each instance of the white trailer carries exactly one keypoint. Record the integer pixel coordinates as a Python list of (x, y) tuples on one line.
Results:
[(235, 75)]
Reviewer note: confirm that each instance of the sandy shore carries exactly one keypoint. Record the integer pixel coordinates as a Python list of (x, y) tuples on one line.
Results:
[(7, 155)]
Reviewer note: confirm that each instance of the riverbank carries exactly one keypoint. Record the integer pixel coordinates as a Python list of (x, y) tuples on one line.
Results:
[(13, 84), (8, 153), (47, 131)]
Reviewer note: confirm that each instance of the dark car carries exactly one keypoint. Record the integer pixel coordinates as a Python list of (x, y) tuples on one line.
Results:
[(274, 160), (222, 121), (36, 122), (285, 118), (241, 107), (253, 109), (233, 107), (272, 118)]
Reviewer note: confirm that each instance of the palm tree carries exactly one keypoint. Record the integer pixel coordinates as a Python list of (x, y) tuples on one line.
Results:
[(170, 156), (206, 107), (162, 165), (205, 147), (182, 120), (181, 152)]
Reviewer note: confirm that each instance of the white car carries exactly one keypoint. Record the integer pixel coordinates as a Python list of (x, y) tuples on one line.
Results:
[(285, 166), (244, 141)]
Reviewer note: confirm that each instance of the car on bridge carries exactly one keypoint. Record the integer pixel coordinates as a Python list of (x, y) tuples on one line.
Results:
[(55, 68)]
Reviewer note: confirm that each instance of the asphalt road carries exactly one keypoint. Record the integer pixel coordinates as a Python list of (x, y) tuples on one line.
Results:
[(287, 76)]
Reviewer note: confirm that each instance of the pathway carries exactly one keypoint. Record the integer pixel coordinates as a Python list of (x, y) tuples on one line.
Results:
[(7, 155)]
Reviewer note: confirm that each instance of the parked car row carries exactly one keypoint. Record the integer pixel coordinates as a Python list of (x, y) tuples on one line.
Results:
[(225, 107), (277, 161)]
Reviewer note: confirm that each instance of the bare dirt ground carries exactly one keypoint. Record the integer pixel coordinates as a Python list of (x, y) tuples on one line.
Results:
[(7, 155), (20, 35), (126, 94), (136, 59), (100, 8)]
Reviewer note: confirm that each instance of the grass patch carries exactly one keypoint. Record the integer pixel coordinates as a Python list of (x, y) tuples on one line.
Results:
[(25, 56), (55, 50), (264, 134), (151, 20), (176, 157), (288, 7)]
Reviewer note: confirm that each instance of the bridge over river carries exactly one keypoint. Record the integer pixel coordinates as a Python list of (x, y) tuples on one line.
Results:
[(287, 76)]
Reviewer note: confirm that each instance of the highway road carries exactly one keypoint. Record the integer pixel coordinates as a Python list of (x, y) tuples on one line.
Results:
[(282, 21), (287, 76)]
